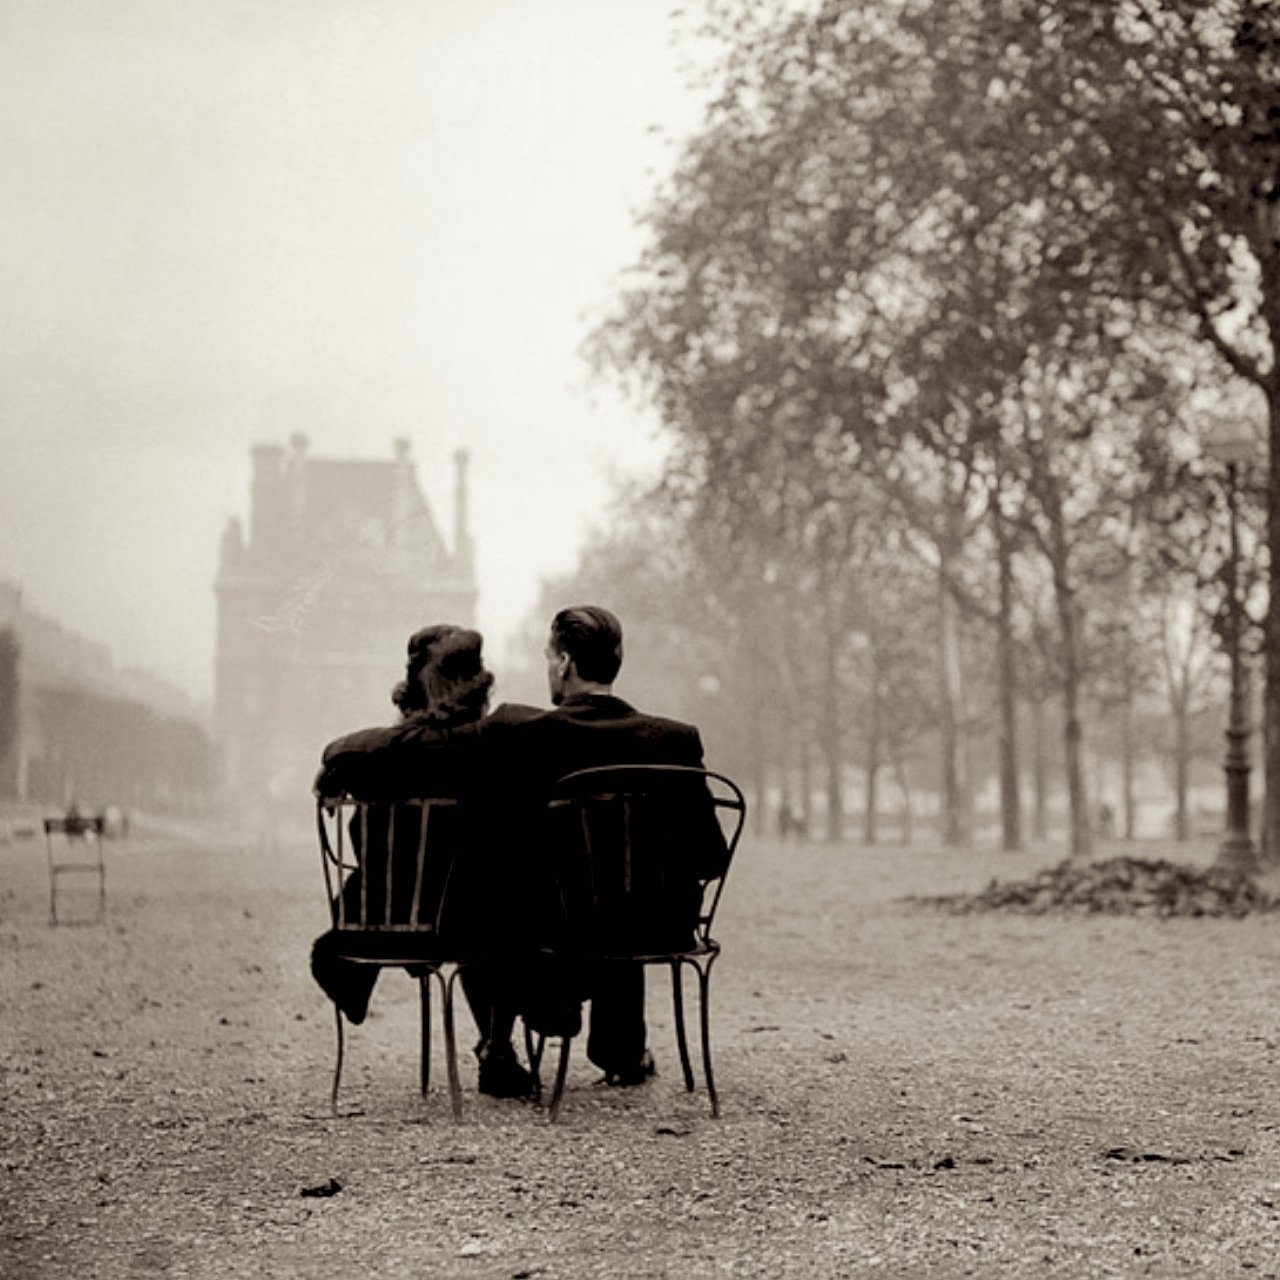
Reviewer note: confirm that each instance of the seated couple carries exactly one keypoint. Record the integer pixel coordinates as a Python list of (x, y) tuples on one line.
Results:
[(504, 763)]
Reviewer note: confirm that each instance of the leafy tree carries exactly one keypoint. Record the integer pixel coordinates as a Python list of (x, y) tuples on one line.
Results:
[(966, 240), (1146, 136)]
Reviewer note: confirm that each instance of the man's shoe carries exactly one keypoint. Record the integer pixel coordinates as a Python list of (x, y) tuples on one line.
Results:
[(642, 1072), (501, 1076)]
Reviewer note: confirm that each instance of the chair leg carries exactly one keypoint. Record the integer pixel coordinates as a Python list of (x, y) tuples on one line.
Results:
[(533, 1052), (682, 1040), (337, 1066), (451, 1043), (424, 1004), (562, 1070), (704, 1002)]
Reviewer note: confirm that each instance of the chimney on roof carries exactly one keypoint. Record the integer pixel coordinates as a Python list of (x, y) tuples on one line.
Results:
[(462, 548), (297, 468), (266, 509), (403, 491), (232, 550)]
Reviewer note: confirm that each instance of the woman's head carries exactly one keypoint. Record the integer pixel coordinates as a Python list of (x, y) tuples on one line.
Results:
[(445, 680)]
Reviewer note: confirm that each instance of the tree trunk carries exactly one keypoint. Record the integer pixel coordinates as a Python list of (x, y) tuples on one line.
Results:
[(1072, 663), (1010, 798), (806, 783), (1039, 771), (1181, 767), (870, 803), (756, 740), (1105, 819), (1126, 759), (900, 769), (870, 831), (1269, 744), (1271, 719), (954, 827), (831, 736), (1128, 799), (10, 713), (786, 740), (1081, 840)]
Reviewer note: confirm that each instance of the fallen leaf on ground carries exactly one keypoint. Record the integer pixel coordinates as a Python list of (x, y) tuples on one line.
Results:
[(324, 1189)]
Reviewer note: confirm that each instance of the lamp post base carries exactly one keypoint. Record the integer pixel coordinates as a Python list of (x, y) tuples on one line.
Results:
[(1238, 853)]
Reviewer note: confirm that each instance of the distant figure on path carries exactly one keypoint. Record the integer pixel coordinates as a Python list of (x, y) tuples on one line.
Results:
[(790, 822)]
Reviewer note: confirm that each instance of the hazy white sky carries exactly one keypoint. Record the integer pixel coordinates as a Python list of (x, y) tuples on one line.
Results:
[(223, 221)]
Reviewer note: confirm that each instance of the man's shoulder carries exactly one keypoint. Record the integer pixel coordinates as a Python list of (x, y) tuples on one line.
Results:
[(665, 724), (609, 722), (646, 722), (510, 713)]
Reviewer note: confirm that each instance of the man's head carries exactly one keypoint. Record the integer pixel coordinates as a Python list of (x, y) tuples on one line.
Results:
[(584, 651)]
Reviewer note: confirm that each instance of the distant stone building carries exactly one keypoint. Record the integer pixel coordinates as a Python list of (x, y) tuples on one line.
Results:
[(342, 562)]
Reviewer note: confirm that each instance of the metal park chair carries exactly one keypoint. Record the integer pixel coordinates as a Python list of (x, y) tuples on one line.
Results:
[(79, 851), (389, 869), (639, 856)]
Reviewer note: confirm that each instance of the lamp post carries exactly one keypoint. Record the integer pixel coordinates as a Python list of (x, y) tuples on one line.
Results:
[(1234, 446)]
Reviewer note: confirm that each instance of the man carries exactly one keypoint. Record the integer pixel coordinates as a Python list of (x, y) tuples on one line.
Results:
[(589, 727)]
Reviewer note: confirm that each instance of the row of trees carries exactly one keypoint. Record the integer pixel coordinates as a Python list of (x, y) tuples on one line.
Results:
[(63, 743), (831, 662), (939, 307), (99, 750)]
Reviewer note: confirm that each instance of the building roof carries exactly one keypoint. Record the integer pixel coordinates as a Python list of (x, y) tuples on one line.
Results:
[(349, 514)]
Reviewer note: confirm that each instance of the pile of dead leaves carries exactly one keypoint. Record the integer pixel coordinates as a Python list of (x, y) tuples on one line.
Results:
[(1120, 886)]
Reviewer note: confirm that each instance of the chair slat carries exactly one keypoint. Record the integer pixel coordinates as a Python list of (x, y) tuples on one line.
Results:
[(362, 857), (392, 810), (419, 870)]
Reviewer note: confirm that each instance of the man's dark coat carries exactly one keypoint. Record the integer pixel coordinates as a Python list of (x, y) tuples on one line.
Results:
[(524, 758)]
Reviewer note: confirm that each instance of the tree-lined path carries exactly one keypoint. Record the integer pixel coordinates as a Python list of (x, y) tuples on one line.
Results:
[(905, 1092)]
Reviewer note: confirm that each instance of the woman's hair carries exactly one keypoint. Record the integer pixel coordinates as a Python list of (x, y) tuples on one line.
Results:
[(445, 679)]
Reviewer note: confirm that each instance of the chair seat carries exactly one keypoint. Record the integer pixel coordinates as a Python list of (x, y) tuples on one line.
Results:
[(692, 952), (627, 935), (390, 946), (684, 950)]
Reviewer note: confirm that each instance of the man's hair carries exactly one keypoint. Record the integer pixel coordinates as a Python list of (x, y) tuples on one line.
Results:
[(592, 637)]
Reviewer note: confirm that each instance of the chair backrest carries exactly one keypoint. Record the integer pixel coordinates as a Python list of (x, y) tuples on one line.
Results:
[(75, 826), (389, 867), (638, 856)]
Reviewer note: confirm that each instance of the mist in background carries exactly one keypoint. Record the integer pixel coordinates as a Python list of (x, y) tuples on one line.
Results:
[(226, 222)]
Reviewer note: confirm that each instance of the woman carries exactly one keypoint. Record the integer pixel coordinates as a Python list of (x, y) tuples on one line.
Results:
[(433, 751), (446, 688)]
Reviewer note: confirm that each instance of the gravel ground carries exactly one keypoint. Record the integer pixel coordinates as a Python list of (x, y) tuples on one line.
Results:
[(905, 1092)]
